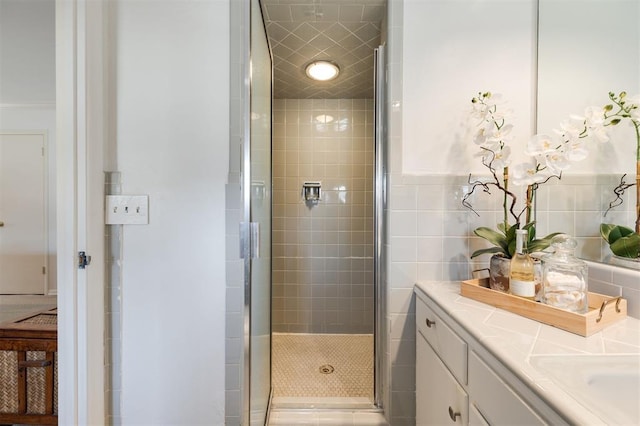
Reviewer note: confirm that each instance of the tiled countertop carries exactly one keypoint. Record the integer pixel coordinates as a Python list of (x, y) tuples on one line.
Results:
[(530, 349)]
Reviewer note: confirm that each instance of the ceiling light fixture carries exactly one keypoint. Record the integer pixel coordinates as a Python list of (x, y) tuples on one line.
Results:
[(322, 70)]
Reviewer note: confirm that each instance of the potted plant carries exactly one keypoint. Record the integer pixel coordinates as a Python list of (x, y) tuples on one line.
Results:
[(548, 157)]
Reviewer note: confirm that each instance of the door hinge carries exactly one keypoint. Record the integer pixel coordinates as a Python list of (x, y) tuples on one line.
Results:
[(44, 270), (83, 260)]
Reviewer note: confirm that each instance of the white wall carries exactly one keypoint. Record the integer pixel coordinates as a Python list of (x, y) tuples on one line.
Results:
[(172, 144), (451, 51), (27, 88), (27, 51)]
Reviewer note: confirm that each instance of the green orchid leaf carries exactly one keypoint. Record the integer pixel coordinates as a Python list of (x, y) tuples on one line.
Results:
[(494, 237), (531, 231), (490, 250), (511, 233), (627, 246), (502, 228), (611, 233), (512, 248), (542, 243)]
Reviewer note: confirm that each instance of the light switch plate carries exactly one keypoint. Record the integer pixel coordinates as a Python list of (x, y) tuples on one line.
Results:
[(127, 210)]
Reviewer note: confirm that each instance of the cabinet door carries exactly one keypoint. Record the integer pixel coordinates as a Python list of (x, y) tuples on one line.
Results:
[(440, 400), (444, 341), (475, 418), (495, 400)]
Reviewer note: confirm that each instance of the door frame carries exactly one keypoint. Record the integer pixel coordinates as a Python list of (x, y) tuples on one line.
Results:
[(80, 124)]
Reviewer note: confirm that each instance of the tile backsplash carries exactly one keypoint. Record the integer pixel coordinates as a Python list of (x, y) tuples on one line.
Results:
[(432, 232), (323, 252)]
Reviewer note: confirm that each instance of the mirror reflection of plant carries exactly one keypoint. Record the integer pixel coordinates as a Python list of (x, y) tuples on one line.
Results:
[(623, 241), (625, 109)]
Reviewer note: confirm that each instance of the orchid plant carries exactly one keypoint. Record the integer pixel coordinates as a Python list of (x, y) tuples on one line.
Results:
[(548, 156)]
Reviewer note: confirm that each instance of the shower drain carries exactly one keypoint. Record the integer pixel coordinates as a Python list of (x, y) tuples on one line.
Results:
[(327, 369)]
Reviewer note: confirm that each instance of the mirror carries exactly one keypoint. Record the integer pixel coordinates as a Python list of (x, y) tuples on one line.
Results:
[(587, 49)]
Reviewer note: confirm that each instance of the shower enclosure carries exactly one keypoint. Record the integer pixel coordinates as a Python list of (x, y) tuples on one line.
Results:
[(312, 236)]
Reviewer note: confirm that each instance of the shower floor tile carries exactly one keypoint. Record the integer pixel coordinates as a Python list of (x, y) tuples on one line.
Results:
[(322, 366)]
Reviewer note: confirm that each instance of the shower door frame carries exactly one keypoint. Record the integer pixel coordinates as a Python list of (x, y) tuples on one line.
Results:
[(379, 223), (250, 232)]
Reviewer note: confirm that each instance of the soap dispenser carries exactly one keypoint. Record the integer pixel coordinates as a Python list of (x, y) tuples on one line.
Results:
[(564, 277)]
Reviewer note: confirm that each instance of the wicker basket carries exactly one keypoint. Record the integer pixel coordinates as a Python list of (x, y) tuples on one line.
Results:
[(29, 369)]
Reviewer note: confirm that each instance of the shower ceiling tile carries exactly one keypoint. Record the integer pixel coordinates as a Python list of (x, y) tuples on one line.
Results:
[(344, 31), (351, 13), (276, 12), (373, 13), (306, 31)]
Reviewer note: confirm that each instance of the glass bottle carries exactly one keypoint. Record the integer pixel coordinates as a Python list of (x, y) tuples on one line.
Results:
[(522, 281), (564, 277)]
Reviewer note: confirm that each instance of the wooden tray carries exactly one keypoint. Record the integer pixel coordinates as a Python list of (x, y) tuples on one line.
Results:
[(603, 310)]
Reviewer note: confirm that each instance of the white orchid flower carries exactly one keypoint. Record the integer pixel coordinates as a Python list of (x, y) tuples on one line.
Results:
[(480, 137), (527, 174), (600, 133), (575, 150), (556, 162), (572, 128), (594, 117), (501, 134), (539, 145), (501, 159)]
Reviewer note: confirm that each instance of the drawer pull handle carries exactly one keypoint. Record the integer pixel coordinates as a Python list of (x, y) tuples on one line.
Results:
[(430, 323), (453, 415)]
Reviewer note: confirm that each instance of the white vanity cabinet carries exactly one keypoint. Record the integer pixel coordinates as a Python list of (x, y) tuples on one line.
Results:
[(441, 370), (455, 383), (495, 401)]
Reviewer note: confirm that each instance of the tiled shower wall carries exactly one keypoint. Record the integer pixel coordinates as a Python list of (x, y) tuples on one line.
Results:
[(323, 252)]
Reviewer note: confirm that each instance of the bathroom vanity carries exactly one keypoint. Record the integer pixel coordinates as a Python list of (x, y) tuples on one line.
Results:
[(479, 365)]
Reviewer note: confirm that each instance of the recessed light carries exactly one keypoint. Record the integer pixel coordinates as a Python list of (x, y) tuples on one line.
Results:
[(322, 70)]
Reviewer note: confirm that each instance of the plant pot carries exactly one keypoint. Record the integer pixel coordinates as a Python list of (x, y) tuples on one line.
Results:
[(627, 262), (499, 267)]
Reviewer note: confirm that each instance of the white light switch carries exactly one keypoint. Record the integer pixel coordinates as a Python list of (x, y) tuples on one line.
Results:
[(127, 210)]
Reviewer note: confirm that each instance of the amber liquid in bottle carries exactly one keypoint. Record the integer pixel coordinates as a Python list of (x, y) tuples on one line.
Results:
[(521, 277)]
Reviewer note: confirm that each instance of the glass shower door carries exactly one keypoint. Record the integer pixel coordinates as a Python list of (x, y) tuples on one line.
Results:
[(259, 171)]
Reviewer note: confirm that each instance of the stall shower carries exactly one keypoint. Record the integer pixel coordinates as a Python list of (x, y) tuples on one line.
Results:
[(323, 313), (323, 292)]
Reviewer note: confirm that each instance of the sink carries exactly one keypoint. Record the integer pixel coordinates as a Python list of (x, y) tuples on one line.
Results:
[(608, 385)]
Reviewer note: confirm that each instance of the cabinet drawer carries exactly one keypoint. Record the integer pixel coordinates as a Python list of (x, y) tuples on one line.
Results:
[(445, 342), (440, 400), (496, 401)]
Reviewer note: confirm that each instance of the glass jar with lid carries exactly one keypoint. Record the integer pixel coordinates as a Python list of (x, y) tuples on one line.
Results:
[(564, 277)]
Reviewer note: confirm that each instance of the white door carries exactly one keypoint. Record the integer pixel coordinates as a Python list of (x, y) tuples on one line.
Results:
[(22, 213)]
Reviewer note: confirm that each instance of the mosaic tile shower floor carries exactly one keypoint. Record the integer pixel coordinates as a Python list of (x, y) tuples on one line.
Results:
[(302, 364)]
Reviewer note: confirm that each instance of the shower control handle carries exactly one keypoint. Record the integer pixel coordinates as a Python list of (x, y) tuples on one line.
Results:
[(430, 323), (453, 415)]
